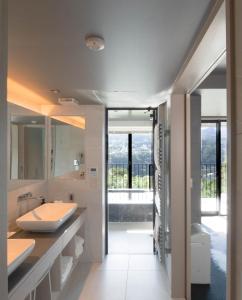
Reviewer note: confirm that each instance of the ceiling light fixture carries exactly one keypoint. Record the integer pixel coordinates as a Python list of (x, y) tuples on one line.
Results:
[(95, 43)]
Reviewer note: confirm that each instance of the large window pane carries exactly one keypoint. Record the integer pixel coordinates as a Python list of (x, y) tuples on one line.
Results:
[(118, 161), (208, 168), (141, 160)]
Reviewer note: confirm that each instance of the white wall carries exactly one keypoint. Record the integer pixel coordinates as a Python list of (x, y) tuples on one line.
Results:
[(15, 209), (214, 102), (88, 192), (178, 195)]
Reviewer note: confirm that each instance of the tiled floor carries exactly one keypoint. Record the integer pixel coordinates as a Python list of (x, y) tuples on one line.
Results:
[(119, 277), (130, 238)]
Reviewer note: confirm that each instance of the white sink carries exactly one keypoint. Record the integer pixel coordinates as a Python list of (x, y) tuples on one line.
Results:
[(18, 251), (47, 217)]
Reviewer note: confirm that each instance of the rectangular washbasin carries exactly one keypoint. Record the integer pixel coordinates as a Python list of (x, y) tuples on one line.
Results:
[(18, 251), (47, 217)]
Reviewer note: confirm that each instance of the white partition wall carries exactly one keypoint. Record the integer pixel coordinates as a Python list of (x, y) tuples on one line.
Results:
[(3, 149), (178, 199), (195, 106), (175, 211)]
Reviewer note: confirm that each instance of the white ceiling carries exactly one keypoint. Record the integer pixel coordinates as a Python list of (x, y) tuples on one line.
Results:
[(130, 121), (146, 42), (129, 115)]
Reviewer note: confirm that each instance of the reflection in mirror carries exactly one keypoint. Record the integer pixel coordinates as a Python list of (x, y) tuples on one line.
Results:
[(27, 147), (67, 151)]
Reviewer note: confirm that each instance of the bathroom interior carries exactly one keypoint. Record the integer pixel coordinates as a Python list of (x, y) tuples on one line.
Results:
[(80, 224)]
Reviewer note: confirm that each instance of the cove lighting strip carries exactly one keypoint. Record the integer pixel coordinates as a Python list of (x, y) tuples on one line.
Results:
[(19, 95), (71, 120)]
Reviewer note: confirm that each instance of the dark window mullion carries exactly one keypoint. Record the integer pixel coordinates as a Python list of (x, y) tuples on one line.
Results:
[(130, 160), (218, 164)]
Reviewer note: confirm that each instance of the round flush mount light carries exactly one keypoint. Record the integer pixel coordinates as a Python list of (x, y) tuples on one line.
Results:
[(95, 43)]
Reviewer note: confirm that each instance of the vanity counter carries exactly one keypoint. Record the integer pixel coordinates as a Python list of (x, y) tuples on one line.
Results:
[(47, 247)]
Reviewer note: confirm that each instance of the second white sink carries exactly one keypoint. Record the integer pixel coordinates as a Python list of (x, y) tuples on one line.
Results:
[(18, 251), (46, 218)]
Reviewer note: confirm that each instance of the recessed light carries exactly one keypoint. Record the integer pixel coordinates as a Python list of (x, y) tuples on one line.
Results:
[(95, 43)]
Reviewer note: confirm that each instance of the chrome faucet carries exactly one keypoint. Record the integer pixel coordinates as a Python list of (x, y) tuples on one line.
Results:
[(29, 196)]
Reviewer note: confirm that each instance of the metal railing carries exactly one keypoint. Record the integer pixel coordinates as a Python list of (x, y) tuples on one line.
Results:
[(208, 181), (118, 176)]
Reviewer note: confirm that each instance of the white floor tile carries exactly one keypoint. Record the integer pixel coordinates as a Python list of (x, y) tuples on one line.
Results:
[(144, 262), (114, 262), (119, 277), (130, 238), (105, 285), (146, 285)]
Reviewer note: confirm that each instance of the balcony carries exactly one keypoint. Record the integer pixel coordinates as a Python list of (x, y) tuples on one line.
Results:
[(212, 187)]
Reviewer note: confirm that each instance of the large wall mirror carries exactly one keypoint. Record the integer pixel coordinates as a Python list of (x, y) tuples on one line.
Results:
[(27, 147), (67, 149)]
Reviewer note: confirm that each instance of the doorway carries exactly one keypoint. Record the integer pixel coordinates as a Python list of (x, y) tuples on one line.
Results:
[(208, 244), (129, 177)]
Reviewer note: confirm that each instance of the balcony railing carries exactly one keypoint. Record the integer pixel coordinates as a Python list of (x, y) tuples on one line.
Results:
[(208, 181), (118, 176)]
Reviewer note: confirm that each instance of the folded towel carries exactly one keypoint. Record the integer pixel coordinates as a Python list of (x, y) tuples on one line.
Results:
[(66, 265), (157, 227), (79, 244), (79, 240)]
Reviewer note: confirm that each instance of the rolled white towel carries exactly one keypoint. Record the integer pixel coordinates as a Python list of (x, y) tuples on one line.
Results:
[(157, 227), (79, 244), (66, 265), (79, 240)]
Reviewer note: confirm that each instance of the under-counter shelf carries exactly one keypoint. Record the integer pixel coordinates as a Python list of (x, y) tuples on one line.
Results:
[(48, 247), (65, 263)]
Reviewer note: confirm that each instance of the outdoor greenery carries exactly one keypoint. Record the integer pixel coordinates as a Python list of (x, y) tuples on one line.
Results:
[(208, 182), (141, 159), (208, 160), (118, 179), (118, 160)]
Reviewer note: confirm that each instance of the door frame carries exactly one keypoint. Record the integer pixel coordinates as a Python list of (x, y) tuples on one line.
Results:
[(154, 111), (201, 60)]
